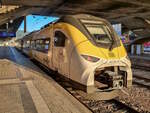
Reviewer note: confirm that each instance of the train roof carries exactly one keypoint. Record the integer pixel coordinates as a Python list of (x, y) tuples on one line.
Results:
[(68, 19), (26, 37), (80, 16), (83, 16), (47, 25)]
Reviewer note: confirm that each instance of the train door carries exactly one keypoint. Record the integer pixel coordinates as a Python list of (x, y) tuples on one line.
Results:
[(60, 58)]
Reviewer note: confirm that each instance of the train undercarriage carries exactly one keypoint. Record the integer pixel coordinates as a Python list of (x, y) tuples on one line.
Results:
[(108, 83), (110, 78)]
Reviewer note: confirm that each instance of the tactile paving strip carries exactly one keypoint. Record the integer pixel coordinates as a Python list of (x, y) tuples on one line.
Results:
[(10, 99), (14, 94), (7, 70)]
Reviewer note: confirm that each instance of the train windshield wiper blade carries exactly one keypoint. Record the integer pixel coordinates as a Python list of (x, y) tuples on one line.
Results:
[(111, 46), (112, 41)]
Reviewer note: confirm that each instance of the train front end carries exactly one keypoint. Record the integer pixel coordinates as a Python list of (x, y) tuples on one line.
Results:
[(105, 64)]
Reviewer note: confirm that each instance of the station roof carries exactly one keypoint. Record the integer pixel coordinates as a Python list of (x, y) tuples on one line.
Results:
[(120, 11)]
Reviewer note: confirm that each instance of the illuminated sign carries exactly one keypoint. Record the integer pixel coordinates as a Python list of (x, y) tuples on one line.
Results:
[(7, 34)]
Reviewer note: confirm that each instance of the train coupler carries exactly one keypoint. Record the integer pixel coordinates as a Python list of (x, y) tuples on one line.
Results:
[(114, 80)]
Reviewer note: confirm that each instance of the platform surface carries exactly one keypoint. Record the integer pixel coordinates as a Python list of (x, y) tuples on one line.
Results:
[(24, 88)]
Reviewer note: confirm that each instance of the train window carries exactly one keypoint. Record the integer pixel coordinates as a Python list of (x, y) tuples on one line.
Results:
[(26, 44), (33, 44), (59, 40), (100, 32), (47, 42), (43, 45)]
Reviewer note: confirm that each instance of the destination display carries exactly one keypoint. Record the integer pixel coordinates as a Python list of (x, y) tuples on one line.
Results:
[(7, 34)]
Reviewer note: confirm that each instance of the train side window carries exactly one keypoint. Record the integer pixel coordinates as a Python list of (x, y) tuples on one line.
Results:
[(59, 39), (26, 44), (33, 44), (37, 44), (47, 44), (43, 45)]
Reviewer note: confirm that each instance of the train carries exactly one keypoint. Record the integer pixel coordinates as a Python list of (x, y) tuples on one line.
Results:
[(84, 49)]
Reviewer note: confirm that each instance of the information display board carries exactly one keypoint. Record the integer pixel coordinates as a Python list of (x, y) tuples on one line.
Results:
[(4, 34)]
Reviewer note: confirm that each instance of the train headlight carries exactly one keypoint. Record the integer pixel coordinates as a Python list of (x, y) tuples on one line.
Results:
[(90, 58)]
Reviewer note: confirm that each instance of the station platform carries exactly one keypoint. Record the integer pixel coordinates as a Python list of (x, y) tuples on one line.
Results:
[(24, 88)]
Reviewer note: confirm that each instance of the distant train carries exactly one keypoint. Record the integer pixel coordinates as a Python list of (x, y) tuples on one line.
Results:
[(84, 49)]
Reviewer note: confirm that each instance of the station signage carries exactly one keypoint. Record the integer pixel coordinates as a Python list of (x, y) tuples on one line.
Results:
[(4, 34)]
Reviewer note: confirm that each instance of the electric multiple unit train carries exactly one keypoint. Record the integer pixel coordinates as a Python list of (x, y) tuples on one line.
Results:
[(84, 49)]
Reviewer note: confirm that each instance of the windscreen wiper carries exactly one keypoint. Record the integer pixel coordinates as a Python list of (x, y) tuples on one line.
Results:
[(111, 46), (112, 41)]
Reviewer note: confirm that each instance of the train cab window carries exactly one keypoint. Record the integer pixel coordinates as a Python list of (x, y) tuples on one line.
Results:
[(100, 32), (59, 40)]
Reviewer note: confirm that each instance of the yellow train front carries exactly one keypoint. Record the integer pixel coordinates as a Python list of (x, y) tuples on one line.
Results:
[(87, 51)]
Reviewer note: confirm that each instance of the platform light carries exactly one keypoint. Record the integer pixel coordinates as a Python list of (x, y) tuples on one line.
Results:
[(11, 21)]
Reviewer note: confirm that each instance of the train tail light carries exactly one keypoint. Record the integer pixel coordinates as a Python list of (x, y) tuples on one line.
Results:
[(90, 58)]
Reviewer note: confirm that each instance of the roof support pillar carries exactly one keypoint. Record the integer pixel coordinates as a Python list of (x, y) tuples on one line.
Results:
[(25, 24), (0, 4)]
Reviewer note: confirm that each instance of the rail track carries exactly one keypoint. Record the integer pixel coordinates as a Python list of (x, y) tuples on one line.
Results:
[(146, 68), (142, 82), (141, 76), (110, 106)]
